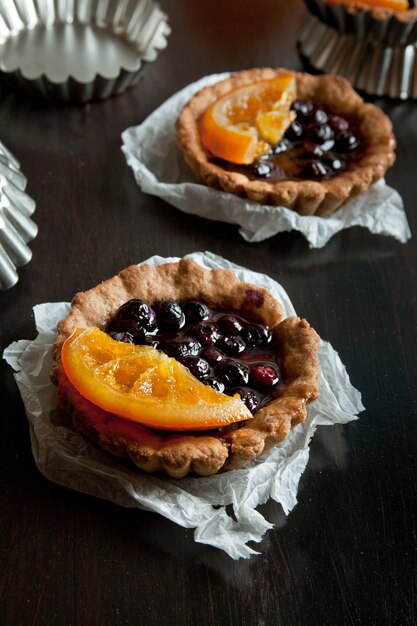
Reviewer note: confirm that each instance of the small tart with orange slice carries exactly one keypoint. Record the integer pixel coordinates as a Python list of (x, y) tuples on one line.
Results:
[(405, 10), (184, 370), (309, 143)]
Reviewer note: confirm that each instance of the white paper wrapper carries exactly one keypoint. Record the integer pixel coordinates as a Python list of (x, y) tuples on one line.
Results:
[(68, 459), (161, 170)]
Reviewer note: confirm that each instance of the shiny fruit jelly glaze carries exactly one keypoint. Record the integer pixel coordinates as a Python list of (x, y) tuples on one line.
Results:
[(223, 349), (317, 145)]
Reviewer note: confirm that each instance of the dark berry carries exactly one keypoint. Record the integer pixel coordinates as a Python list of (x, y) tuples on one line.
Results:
[(314, 169), (179, 347), (122, 336), (256, 335), (195, 311), (327, 145), (135, 316), (302, 109), (197, 366), (322, 133), (213, 382), (229, 324), (140, 336), (262, 169), (338, 123), (281, 147), (212, 355), (207, 333), (247, 396), (232, 345), (151, 340), (170, 315), (319, 116), (263, 377), (232, 373), (335, 164), (311, 151), (346, 141), (294, 131)]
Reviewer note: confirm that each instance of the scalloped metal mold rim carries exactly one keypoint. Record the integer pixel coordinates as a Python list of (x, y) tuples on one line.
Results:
[(370, 66), (77, 51), (361, 24), (16, 226)]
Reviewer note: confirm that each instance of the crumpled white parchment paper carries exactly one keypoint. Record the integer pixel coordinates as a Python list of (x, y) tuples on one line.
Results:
[(68, 459), (161, 170)]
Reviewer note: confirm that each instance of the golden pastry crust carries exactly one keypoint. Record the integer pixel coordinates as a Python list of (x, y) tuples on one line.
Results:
[(203, 453), (306, 197)]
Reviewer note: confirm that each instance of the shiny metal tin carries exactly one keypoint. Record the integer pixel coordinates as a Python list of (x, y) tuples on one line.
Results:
[(16, 226), (371, 66), (79, 50), (395, 29)]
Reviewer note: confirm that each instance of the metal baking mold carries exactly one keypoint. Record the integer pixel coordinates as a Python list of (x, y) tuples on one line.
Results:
[(16, 226), (371, 66), (394, 30), (79, 50), (6, 154)]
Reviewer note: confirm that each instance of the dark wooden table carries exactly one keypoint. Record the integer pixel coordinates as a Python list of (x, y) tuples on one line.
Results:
[(347, 552)]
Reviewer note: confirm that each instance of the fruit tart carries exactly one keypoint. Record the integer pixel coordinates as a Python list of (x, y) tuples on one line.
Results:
[(183, 370), (405, 10), (388, 22), (309, 143)]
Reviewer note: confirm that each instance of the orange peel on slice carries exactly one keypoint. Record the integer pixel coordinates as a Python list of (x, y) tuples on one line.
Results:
[(241, 125), (144, 385)]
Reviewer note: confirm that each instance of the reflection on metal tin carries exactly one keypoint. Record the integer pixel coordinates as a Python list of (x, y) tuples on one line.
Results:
[(77, 50), (391, 27), (371, 66), (16, 226)]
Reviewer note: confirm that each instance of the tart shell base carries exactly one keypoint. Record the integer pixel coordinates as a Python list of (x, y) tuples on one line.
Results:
[(179, 454)]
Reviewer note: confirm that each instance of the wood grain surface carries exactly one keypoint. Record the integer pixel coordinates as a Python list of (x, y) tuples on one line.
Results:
[(347, 552)]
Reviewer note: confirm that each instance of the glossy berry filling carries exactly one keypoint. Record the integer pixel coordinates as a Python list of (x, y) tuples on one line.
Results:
[(316, 146), (223, 349)]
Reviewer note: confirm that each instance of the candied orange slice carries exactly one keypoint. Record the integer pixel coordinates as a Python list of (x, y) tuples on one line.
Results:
[(241, 125), (395, 5), (144, 385)]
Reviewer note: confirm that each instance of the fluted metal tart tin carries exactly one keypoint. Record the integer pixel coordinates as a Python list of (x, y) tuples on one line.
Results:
[(79, 50), (16, 226), (392, 28), (370, 66)]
